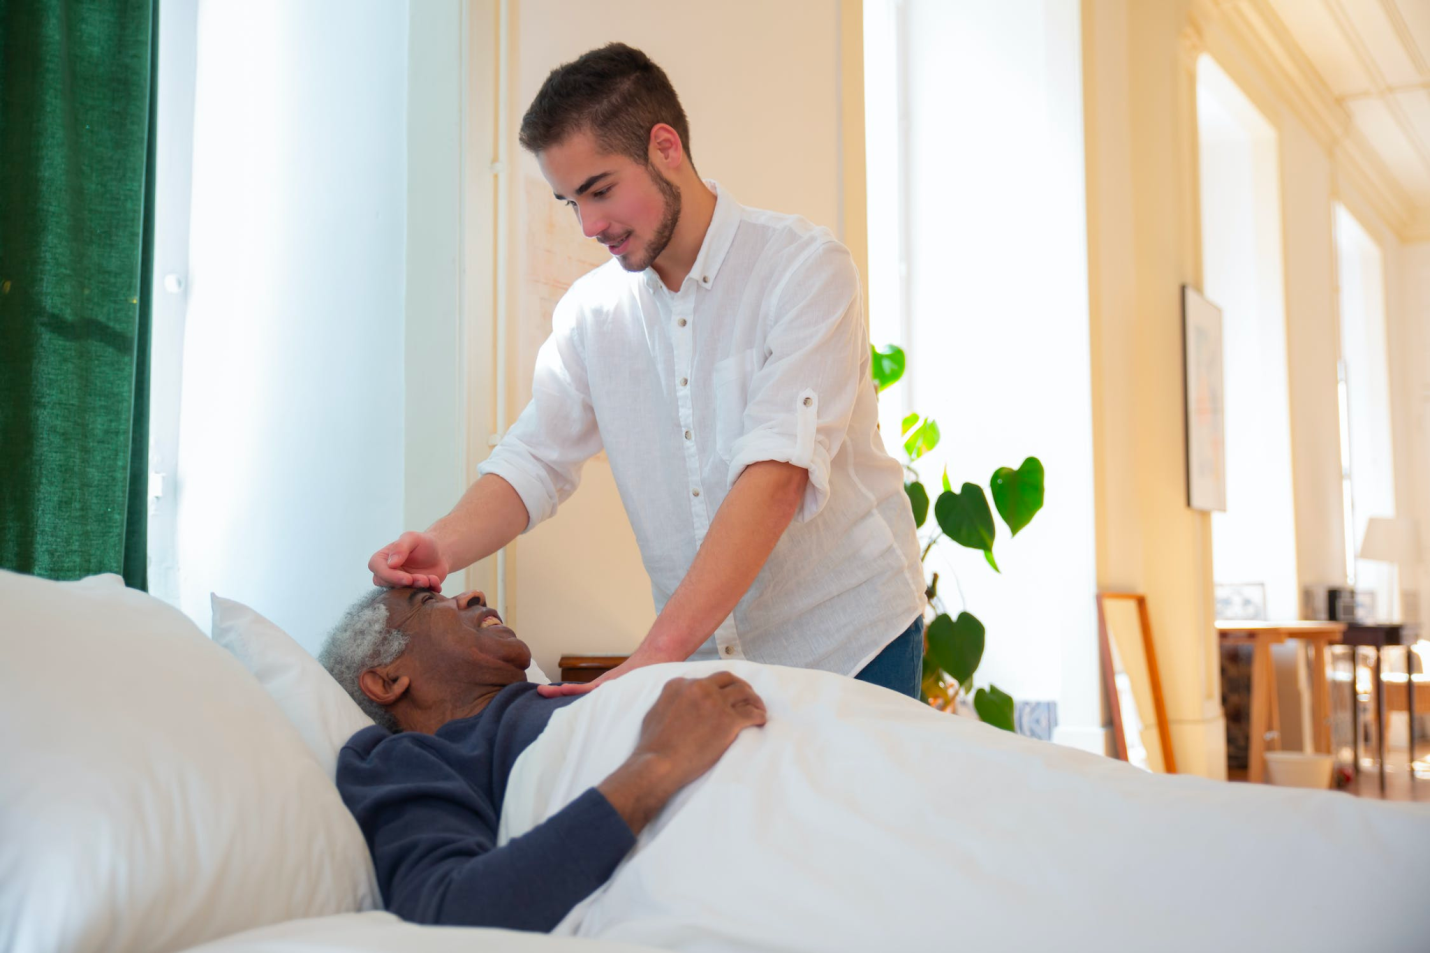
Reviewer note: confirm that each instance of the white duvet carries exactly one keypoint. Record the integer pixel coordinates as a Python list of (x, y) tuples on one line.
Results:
[(858, 819)]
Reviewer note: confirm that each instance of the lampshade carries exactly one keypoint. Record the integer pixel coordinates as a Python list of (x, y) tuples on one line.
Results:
[(1394, 539)]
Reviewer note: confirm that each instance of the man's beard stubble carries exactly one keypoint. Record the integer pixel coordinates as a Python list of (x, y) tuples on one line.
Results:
[(666, 230)]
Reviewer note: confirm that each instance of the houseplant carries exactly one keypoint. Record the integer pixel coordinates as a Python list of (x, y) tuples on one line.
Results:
[(953, 645)]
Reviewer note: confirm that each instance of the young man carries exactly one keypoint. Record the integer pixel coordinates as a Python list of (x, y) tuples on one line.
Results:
[(722, 362)]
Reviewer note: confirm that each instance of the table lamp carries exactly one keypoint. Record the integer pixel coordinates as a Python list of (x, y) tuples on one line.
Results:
[(1392, 539)]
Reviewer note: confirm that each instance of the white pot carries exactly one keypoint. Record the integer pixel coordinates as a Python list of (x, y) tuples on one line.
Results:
[(1299, 769)]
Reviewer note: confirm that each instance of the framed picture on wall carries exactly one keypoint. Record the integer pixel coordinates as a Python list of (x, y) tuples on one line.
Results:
[(1206, 404)]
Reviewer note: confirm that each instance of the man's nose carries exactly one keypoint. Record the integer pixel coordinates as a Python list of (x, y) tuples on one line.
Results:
[(593, 225), (470, 596)]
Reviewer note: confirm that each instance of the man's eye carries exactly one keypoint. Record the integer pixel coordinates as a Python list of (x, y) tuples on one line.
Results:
[(602, 194)]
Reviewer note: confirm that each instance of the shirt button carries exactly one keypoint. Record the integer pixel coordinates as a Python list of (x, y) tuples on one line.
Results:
[(695, 492), (681, 322), (808, 401), (687, 435), (729, 650), (684, 381)]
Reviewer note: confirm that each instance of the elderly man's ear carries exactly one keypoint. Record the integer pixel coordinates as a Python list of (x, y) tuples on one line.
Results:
[(383, 687)]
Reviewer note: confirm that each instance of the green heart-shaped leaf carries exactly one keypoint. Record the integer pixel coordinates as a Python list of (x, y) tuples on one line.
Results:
[(930, 667), (923, 439), (887, 366), (965, 518), (956, 645), (1018, 494), (994, 707), (909, 421), (919, 500)]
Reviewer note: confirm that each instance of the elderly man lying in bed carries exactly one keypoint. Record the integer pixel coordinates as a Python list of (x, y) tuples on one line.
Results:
[(445, 681), (852, 816)]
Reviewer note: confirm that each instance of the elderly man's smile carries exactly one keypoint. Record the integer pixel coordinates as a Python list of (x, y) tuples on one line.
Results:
[(488, 619)]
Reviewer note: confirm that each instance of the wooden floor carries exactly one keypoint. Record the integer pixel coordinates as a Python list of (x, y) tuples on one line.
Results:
[(1398, 785)]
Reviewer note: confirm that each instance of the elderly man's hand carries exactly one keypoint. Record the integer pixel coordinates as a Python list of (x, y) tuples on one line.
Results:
[(685, 732), (413, 559)]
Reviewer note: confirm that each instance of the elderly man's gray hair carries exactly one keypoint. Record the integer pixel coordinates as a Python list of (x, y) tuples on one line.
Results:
[(361, 640)]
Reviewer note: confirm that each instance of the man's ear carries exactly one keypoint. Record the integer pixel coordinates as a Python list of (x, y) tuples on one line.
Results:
[(385, 688), (666, 149)]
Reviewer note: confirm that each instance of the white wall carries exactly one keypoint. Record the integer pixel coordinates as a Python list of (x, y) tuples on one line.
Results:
[(291, 442), (998, 335), (434, 332)]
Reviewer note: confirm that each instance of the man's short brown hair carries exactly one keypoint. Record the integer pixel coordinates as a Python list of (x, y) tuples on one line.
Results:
[(616, 92)]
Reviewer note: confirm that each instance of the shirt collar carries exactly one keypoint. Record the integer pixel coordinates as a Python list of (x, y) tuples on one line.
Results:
[(718, 238)]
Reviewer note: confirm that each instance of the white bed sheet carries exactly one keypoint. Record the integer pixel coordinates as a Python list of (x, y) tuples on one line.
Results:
[(858, 819), (377, 932)]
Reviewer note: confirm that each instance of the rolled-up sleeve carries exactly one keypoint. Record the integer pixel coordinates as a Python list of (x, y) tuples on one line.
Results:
[(801, 398), (542, 453)]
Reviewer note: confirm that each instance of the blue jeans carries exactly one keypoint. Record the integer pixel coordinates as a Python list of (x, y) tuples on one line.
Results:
[(901, 665)]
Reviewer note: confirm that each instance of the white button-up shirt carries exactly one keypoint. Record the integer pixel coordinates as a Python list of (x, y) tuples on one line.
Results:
[(761, 355)]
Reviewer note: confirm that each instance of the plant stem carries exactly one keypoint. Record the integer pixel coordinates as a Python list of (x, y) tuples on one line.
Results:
[(936, 538), (957, 585)]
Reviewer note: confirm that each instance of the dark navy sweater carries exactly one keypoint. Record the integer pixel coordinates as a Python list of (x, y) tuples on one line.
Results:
[(429, 807)]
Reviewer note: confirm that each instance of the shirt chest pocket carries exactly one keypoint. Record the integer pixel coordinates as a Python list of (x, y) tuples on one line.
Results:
[(730, 385)]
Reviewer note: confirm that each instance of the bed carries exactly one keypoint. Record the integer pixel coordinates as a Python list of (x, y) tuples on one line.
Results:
[(168, 791)]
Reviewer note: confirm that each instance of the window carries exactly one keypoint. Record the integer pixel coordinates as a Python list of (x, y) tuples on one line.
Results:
[(978, 265), (1367, 465), (1254, 541)]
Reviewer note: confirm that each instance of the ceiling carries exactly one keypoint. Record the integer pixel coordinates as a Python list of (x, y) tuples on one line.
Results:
[(1374, 57)]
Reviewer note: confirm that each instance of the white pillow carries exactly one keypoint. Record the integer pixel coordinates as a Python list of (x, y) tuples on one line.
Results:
[(314, 702), (152, 797), (325, 716)]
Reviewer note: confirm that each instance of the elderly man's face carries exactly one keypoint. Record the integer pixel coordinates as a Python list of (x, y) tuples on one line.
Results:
[(457, 648), (458, 633)]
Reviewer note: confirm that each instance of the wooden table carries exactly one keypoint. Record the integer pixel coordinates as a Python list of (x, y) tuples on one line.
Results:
[(1265, 717), (587, 668)]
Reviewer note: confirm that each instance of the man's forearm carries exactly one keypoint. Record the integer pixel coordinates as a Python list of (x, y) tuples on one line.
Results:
[(487, 517), (528, 883), (744, 532), (639, 788)]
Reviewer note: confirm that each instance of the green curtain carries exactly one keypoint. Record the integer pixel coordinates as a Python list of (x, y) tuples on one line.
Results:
[(77, 120)]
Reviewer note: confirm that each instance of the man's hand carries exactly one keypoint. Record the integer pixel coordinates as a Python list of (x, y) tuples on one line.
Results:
[(685, 732), (642, 657), (414, 559), (746, 528)]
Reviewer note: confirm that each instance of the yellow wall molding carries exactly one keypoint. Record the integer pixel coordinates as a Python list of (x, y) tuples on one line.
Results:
[(1417, 229), (1264, 39)]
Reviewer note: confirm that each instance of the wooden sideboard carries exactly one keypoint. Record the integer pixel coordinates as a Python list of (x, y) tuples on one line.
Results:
[(587, 668)]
